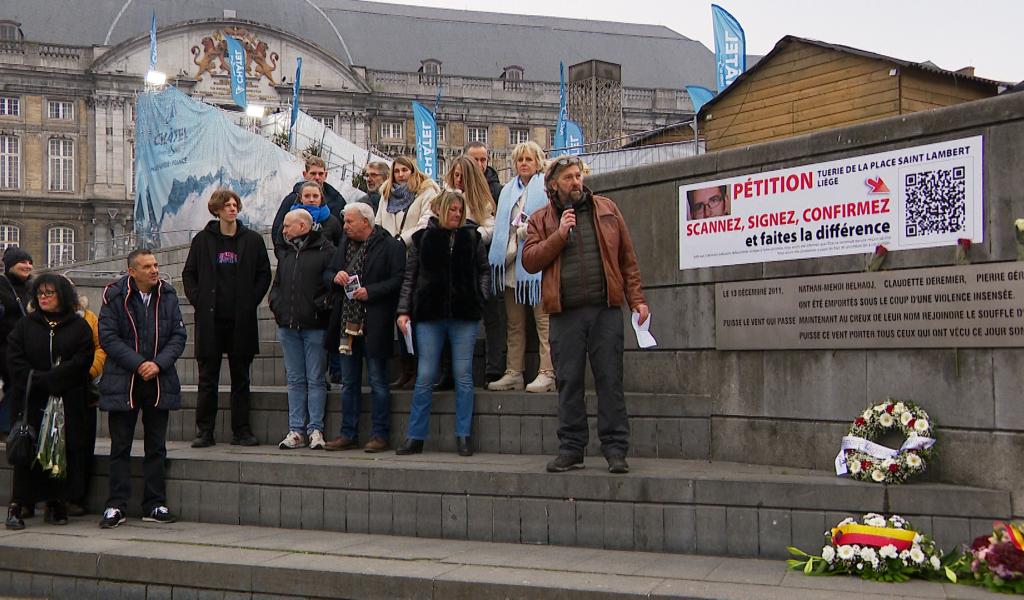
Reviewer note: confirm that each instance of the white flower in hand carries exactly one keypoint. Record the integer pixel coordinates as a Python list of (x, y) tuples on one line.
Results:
[(828, 553)]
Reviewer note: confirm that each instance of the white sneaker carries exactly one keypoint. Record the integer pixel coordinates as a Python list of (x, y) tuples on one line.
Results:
[(316, 440), (545, 382), (292, 441), (511, 380)]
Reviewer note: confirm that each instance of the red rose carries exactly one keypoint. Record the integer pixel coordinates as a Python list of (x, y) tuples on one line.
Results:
[(893, 468), (881, 250), (964, 243), (889, 408), (910, 423), (865, 465), (859, 421)]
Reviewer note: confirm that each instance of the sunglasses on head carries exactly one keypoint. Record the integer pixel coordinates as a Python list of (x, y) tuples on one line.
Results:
[(565, 161)]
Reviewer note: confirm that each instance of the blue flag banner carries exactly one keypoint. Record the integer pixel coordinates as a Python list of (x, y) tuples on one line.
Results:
[(152, 43), (699, 96), (573, 138), (295, 101), (236, 62), (559, 143), (730, 46), (186, 150), (426, 140)]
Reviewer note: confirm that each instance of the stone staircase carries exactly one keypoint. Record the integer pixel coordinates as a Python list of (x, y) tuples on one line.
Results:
[(676, 501)]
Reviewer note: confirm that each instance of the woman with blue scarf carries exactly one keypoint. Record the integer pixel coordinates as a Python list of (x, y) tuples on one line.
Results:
[(520, 198), (311, 199)]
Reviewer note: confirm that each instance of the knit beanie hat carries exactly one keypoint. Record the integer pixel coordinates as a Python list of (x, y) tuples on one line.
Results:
[(14, 255)]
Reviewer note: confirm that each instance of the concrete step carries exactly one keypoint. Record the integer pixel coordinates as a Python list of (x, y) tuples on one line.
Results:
[(663, 425), (196, 560), (662, 505)]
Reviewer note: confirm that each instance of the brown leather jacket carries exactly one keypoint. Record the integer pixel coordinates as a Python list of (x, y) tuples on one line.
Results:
[(543, 251)]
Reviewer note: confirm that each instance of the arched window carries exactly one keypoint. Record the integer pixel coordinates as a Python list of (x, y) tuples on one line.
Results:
[(60, 246), (430, 71), (10, 235), (10, 30), (512, 75)]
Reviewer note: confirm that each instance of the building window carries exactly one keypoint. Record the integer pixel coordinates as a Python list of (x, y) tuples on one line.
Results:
[(430, 71), (476, 134), (60, 247), (131, 182), (442, 133), (10, 235), (512, 76), (442, 165), (518, 135), (9, 107), (62, 165), (391, 130), (10, 30), (10, 162), (326, 121), (551, 137), (61, 109)]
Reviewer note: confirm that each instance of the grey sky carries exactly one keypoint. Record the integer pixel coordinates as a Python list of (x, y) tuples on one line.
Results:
[(985, 34)]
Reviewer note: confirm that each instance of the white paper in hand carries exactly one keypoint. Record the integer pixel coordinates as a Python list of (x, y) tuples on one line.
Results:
[(644, 339), (407, 336)]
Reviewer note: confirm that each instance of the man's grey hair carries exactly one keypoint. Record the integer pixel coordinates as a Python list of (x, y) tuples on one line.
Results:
[(301, 214), (475, 144), (379, 166), (361, 209)]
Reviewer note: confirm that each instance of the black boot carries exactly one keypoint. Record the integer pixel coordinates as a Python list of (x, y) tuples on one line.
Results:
[(56, 513), (14, 520), (464, 445), (407, 378), (410, 446)]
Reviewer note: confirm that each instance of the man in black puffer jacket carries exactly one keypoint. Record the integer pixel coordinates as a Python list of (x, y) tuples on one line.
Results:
[(300, 303), (141, 330), (14, 297)]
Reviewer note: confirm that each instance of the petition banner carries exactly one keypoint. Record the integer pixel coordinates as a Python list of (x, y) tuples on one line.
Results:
[(918, 197)]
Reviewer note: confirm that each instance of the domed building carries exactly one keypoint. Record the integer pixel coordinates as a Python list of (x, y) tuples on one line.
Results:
[(70, 70)]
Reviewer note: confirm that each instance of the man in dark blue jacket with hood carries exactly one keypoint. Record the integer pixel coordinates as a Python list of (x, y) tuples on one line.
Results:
[(141, 330), (316, 171)]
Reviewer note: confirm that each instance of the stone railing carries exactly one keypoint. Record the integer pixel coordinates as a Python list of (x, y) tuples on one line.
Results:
[(456, 86), (46, 55)]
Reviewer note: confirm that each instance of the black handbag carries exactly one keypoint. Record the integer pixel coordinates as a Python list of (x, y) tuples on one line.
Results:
[(21, 441)]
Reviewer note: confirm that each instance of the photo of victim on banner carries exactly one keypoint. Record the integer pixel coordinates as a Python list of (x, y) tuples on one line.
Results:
[(918, 197)]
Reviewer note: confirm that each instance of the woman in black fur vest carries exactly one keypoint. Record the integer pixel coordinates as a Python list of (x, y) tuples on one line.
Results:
[(446, 281)]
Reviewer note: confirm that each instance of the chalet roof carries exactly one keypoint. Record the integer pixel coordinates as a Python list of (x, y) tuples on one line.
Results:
[(926, 66)]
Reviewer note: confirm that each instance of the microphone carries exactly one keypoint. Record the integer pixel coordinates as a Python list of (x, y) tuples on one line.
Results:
[(569, 206)]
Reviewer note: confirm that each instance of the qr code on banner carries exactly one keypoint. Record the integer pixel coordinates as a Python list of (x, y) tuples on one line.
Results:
[(935, 201)]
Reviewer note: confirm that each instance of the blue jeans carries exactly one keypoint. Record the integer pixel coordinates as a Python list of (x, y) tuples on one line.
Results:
[(351, 392), (305, 362), (430, 337)]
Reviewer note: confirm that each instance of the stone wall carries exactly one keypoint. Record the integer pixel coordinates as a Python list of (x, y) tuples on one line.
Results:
[(792, 407)]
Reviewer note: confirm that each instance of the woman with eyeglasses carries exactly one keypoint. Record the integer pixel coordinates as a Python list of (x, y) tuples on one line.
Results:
[(446, 281), (53, 345)]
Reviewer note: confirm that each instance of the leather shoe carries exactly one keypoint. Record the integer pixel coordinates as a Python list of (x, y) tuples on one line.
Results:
[(376, 444), (341, 443), (445, 383), (464, 446), (410, 446), (617, 464), (204, 440), (244, 439)]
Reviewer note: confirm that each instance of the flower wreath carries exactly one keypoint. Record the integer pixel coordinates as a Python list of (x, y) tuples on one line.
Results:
[(863, 459), (878, 549)]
